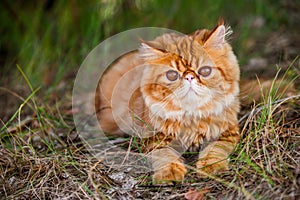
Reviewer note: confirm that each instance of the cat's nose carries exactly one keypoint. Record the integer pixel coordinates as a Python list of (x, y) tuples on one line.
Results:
[(189, 77)]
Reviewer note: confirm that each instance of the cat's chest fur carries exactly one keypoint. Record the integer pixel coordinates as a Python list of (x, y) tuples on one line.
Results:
[(190, 129)]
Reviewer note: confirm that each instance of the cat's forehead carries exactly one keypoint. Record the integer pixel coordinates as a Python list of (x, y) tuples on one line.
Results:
[(189, 50)]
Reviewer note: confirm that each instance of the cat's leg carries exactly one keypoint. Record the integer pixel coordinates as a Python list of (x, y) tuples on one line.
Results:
[(168, 165), (214, 157)]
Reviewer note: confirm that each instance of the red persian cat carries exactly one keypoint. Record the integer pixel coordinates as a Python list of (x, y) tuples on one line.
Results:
[(177, 93)]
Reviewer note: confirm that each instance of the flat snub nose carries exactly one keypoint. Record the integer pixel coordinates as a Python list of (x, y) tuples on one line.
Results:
[(189, 77)]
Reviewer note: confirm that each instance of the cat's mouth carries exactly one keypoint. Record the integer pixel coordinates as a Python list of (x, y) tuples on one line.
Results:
[(191, 89), (191, 92)]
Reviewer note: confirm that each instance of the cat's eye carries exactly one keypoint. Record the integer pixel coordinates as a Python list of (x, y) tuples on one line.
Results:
[(172, 75), (205, 71)]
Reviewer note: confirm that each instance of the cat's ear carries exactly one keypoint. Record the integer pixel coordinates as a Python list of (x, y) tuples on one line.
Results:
[(150, 50), (217, 37)]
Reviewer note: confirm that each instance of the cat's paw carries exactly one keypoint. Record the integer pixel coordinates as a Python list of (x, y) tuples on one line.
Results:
[(211, 166), (171, 173)]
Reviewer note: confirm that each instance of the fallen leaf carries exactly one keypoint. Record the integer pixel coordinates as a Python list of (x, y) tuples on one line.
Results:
[(193, 194)]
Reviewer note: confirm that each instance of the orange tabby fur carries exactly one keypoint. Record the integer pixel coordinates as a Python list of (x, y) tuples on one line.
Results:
[(196, 112)]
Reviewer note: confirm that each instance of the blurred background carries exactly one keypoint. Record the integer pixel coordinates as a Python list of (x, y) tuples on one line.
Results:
[(49, 39)]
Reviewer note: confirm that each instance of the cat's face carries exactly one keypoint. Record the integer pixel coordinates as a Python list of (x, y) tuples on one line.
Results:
[(189, 75)]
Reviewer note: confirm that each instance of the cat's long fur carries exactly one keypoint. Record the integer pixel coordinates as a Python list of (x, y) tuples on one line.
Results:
[(199, 111)]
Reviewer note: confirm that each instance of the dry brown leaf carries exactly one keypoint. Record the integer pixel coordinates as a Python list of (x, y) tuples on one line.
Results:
[(193, 194)]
